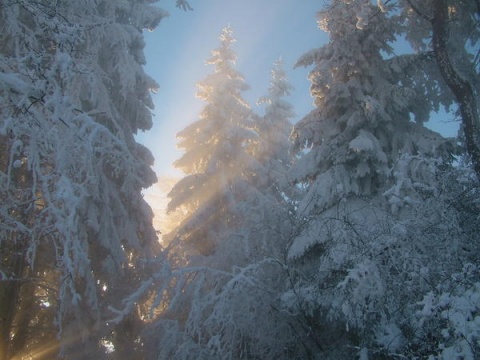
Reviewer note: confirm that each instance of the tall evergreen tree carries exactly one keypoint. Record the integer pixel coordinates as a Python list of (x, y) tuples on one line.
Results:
[(216, 160), (274, 129), (219, 291), (357, 132), (75, 230), (373, 235)]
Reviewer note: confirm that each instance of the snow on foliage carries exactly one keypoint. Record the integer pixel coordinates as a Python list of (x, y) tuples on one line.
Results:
[(226, 253), (454, 305), (371, 261), (377, 229), (362, 242), (216, 160), (273, 129), (74, 93)]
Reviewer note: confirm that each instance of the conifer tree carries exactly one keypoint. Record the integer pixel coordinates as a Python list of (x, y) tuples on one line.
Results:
[(224, 298), (363, 112), (216, 160), (75, 230), (373, 224), (274, 129)]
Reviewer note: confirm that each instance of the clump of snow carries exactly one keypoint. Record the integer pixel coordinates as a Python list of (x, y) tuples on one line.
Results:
[(389, 336), (382, 6), (362, 142)]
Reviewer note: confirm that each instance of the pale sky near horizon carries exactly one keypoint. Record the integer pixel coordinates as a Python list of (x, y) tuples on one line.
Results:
[(265, 30)]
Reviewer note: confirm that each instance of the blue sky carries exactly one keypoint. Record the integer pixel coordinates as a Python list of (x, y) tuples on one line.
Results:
[(265, 30), (177, 50)]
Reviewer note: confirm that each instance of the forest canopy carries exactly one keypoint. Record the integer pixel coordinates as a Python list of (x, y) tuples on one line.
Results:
[(350, 232)]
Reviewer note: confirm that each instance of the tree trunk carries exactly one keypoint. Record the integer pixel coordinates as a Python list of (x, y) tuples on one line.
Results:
[(460, 87), (9, 292), (13, 249), (25, 306)]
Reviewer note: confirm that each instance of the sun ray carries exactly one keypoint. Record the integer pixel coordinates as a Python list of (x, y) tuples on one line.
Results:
[(42, 352)]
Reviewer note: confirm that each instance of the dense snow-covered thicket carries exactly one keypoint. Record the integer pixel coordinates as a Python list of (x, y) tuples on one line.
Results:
[(75, 231), (354, 237), (372, 251)]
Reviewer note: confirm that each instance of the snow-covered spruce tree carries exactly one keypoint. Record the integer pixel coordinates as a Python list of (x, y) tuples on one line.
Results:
[(364, 107), (377, 229), (274, 129), (75, 230), (217, 162), (227, 255)]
